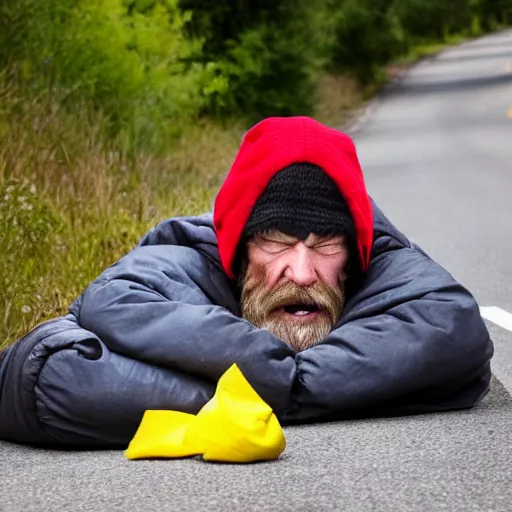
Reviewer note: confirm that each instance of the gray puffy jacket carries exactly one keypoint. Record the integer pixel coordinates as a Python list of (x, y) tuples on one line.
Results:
[(158, 328)]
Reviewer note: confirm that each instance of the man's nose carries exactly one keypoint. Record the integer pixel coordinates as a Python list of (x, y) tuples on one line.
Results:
[(300, 268)]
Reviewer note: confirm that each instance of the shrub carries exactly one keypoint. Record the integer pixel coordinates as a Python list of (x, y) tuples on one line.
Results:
[(492, 13), (267, 54), (128, 58), (366, 37), (433, 20)]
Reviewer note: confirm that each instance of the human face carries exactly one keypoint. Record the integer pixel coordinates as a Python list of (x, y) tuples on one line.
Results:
[(295, 288)]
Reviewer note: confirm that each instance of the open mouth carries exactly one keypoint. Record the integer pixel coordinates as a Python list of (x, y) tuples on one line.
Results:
[(301, 310)]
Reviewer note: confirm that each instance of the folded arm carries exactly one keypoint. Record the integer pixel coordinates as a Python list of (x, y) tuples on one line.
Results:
[(412, 340), (150, 309), (60, 386)]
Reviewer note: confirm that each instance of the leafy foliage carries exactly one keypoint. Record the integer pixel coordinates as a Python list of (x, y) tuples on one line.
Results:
[(433, 19), (366, 37), (129, 58), (152, 66), (268, 54)]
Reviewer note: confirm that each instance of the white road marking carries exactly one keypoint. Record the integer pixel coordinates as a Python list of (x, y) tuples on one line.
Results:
[(497, 316), (508, 69)]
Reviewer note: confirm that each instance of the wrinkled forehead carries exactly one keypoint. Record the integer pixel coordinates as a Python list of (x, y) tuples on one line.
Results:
[(276, 235)]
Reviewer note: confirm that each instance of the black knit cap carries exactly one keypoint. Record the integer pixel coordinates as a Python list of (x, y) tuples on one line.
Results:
[(299, 200)]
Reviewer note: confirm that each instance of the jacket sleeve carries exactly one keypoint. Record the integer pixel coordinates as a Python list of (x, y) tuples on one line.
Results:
[(154, 308), (60, 386), (412, 340)]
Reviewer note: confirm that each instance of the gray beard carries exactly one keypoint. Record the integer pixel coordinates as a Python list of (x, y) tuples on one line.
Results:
[(298, 336), (260, 306)]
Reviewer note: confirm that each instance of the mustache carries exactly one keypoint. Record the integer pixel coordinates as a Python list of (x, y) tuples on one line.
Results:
[(319, 295)]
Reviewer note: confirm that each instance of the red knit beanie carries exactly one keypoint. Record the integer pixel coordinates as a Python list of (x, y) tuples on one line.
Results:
[(272, 145)]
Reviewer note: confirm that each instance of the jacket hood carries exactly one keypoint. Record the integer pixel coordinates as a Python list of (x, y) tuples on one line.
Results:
[(270, 146)]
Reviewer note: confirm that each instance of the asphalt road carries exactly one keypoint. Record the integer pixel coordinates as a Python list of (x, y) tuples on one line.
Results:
[(436, 148)]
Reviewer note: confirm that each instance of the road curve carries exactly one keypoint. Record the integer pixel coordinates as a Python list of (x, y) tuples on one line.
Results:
[(436, 149)]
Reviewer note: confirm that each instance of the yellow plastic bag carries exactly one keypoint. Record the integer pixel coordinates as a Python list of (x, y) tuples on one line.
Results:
[(236, 425)]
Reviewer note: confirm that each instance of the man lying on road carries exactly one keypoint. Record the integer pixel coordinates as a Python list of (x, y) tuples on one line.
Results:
[(298, 278)]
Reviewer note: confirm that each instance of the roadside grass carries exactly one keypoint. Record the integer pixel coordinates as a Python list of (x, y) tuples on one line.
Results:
[(72, 203), (427, 49), (339, 97)]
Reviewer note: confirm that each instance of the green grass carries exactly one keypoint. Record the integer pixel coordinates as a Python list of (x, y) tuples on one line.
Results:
[(426, 49), (72, 203)]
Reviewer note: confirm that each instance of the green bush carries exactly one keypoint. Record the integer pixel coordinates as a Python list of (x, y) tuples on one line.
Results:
[(492, 13), (153, 66), (366, 37), (129, 58), (369, 34), (267, 54), (433, 20)]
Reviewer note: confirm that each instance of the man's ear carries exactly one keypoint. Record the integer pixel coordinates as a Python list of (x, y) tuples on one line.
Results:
[(241, 260), (243, 272), (354, 273), (353, 267)]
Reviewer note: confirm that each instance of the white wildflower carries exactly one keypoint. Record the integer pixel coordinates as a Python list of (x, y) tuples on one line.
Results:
[(26, 309)]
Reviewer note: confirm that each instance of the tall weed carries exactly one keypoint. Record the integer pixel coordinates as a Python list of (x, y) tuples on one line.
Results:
[(72, 201)]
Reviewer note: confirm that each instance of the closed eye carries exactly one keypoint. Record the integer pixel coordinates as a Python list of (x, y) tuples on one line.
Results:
[(273, 247), (329, 249)]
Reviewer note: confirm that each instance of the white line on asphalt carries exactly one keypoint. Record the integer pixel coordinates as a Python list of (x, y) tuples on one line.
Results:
[(497, 316)]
